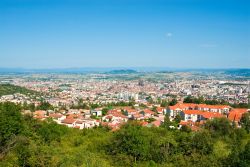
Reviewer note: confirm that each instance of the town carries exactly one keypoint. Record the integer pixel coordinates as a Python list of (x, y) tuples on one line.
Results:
[(87, 101), (124, 83)]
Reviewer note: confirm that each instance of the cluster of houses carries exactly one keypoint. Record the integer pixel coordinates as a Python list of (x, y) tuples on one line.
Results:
[(119, 116), (192, 115), (73, 118), (114, 118)]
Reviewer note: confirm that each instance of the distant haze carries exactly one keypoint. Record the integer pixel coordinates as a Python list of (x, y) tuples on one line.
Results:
[(45, 34)]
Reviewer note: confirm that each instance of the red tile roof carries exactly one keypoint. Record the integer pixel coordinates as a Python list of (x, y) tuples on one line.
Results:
[(236, 114), (56, 115), (210, 115), (119, 115), (207, 115), (159, 109), (115, 113), (186, 122), (194, 112), (68, 121), (72, 116), (183, 106), (39, 116), (40, 112), (148, 111), (178, 105)]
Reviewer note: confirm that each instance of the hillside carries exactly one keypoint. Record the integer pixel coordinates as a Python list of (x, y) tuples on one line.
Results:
[(8, 89)]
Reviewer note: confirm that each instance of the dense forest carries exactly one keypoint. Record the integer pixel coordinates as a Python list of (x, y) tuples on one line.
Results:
[(25, 141)]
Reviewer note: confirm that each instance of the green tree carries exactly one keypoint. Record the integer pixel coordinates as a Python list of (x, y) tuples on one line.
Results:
[(245, 121), (199, 100), (11, 122), (44, 105), (186, 128), (177, 119), (130, 140), (188, 99), (219, 126), (202, 142), (154, 109), (245, 156), (150, 99), (51, 131), (164, 103), (166, 122), (173, 102), (105, 111)]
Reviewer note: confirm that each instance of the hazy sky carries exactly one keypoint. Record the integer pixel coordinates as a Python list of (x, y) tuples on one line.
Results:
[(121, 33)]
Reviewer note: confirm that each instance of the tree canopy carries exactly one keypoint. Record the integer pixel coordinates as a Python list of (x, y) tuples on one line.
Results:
[(25, 141)]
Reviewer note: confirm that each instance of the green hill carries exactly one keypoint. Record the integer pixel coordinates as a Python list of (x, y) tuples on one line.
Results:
[(8, 89)]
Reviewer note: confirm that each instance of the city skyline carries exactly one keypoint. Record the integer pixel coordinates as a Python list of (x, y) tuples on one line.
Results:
[(46, 34)]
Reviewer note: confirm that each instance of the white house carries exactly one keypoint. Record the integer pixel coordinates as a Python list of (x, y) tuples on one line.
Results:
[(69, 122), (96, 112)]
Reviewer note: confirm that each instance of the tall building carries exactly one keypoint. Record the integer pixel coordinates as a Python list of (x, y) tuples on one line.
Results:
[(141, 82)]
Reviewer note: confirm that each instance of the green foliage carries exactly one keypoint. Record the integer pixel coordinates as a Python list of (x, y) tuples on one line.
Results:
[(124, 112), (190, 99), (186, 128), (141, 143), (131, 141), (245, 121), (240, 105), (154, 109), (164, 103), (177, 119), (245, 156), (51, 131), (94, 117), (8, 89), (120, 104), (45, 106), (167, 123), (28, 142), (173, 102), (105, 111), (221, 149), (149, 120), (11, 122), (141, 105), (219, 126), (150, 99), (30, 107), (94, 106), (239, 156), (202, 142), (80, 105)]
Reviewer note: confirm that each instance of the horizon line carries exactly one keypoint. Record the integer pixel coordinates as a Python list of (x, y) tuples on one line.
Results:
[(124, 68)]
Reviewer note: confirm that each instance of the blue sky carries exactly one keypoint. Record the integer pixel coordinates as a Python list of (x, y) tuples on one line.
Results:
[(125, 33)]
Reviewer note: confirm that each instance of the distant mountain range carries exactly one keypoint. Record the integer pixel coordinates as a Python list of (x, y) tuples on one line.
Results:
[(125, 71), (238, 72), (86, 70), (121, 70)]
